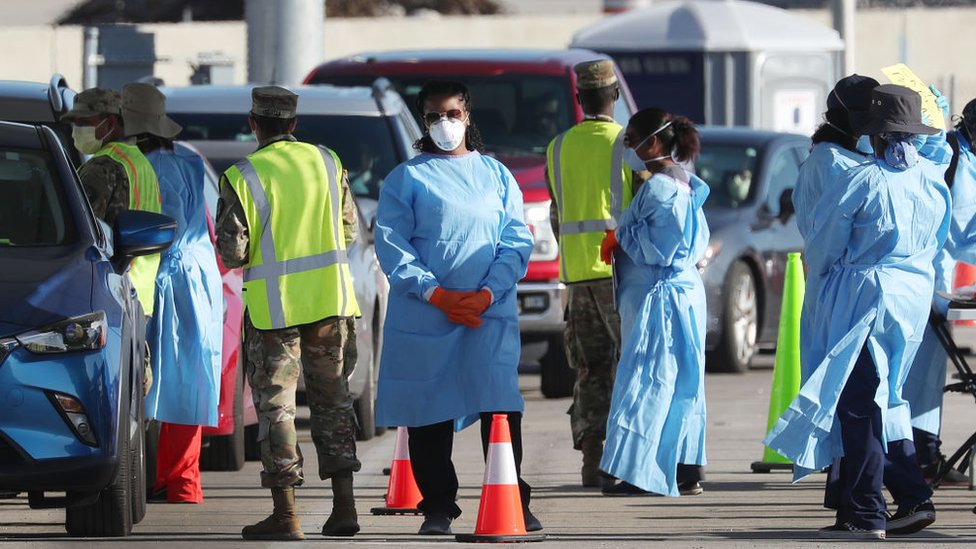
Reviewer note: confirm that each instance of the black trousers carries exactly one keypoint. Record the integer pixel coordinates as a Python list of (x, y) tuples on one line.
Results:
[(855, 481), (430, 457), (690, 473)]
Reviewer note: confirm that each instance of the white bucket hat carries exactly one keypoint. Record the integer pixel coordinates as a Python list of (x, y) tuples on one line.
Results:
[(144, 111)]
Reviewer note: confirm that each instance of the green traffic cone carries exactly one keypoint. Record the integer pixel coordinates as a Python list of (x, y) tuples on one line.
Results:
[(786, 373)]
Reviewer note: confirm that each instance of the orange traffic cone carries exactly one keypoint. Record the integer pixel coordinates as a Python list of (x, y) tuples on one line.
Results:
[(402, 494), (500, 517), (965, 275)]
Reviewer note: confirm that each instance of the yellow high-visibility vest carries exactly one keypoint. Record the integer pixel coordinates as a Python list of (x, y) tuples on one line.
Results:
[(591, 187), (297, 270), (143, 196)]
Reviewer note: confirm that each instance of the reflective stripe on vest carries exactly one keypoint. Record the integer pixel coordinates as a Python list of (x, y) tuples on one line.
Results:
[(143, 196), (587, 231), (617, 179), (271, 268)]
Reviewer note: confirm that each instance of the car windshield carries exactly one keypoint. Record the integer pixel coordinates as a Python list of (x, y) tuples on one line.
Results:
[(516, 114), (365, 144), (729, 171), (33, 209)]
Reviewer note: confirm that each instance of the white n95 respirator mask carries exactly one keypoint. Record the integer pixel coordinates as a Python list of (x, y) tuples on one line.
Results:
[(447, 133)]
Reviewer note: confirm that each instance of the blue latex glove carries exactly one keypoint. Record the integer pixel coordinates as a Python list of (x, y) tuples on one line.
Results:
[(941, 101)]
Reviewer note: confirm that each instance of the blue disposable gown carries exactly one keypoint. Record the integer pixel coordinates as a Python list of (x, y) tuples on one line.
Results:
[(824, 167), (880, 238), (186, 330), (454, 222), (923, 388), (657, 411)]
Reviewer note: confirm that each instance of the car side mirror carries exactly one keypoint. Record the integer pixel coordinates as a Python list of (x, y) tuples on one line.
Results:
[(786, 208), (140, 233)]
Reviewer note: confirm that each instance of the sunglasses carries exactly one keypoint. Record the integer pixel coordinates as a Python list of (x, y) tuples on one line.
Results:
[(431, 117)]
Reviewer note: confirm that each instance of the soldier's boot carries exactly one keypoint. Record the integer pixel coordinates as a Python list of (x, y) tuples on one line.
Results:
[(592, 447), (282, 525), (343, 521)]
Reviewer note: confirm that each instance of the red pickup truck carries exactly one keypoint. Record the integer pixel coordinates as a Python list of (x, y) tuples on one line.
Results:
[(521, 99)]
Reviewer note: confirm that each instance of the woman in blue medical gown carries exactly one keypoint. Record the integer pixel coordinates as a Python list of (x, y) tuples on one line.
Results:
[(185, 333), (656, 427), (836, 149), (923, 388), (890, 216), (451, 239)]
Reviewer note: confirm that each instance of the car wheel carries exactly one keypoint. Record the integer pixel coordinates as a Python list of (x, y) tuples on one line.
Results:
[(138, 463), (111, 514), (226, 452), (365, 405), (557, 377), (740, 322), (252, 448), (377, 355), (151, 442)]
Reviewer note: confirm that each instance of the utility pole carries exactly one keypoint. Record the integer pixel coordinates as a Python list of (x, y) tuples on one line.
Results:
[(285, 39), (843, 16)]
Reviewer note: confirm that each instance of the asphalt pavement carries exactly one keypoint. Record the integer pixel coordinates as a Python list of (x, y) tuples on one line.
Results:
[(738, 509)]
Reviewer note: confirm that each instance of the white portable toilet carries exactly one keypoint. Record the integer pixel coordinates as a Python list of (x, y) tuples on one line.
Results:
[(723, 62)]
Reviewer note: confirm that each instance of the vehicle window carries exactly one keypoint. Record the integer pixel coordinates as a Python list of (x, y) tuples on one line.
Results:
[(729, 171), (783, 173), (33, 209), (516, 114), (365, 144)]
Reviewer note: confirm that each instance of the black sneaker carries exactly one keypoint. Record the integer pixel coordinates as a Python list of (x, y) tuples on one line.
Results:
[(692, 488), (911, 520), (847, 530), (436, 524), (532, 524), (622, 489)]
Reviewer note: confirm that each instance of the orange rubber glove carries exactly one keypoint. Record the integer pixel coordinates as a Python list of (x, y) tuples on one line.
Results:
[(449, 302), (608, 247), (477, 303)]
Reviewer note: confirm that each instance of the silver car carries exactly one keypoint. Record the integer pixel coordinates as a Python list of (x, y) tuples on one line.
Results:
[(371, 130)]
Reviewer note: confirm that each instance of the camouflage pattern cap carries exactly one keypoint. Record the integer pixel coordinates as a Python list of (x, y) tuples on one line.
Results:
[(95, 102), (273, 102), (595, 74)]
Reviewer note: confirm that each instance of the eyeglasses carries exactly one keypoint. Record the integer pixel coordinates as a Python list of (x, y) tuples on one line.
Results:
[(431, 117)]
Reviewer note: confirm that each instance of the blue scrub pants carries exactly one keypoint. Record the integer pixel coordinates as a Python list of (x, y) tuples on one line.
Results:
[(855, 481)]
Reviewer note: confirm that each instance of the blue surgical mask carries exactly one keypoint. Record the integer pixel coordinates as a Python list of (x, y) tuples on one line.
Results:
[(864, 145), (901, 154)]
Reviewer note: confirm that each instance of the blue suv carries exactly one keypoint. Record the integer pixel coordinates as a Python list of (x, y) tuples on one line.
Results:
[(71, 340)]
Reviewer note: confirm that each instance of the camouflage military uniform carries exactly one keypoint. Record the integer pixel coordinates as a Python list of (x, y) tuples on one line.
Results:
[(107, 187), (592, 339), (325, 351)]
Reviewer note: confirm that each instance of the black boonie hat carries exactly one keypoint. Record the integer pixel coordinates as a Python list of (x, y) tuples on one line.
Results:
[(896, 109), (853, 94)]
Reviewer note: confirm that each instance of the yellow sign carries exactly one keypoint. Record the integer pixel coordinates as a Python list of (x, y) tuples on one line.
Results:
[(903, 76)]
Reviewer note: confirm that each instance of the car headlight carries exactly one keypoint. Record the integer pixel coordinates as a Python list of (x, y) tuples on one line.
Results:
[(6, 345), (710, 252), (546, 247), (81, 333)]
